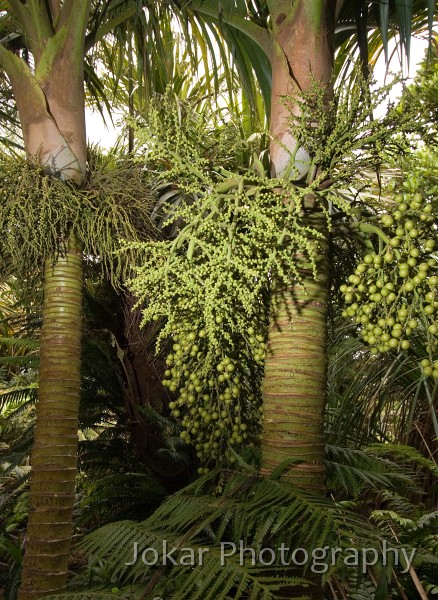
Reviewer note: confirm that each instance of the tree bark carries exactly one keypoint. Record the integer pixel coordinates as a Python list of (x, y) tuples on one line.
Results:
[(295, 378), (294, 386), (295, 372), (54, 453), (303, 56)]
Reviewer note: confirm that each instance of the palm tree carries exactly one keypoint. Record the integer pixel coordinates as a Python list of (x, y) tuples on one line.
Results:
[(49, 94), (47, 81), (50, 101), (43, 53), (296, 42)]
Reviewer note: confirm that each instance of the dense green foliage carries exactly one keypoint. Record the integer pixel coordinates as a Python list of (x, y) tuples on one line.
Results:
[(228, 234)]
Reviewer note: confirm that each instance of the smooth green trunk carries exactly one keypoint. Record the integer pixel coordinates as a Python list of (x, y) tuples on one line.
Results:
[(294, 388), (294, 385), (54, 453)]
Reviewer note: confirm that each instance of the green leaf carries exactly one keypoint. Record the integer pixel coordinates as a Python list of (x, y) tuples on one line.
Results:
[(362, 32), (382, 588), (431, 4), (405, 11), (384, 14)]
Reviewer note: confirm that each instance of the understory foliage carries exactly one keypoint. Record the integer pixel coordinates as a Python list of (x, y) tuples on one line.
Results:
[(377, 398), (236, 233), (109, 460), (393, 290), (221, 508), (37, 211), (195, 541)]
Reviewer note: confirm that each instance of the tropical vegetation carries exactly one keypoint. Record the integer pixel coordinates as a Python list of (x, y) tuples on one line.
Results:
[(222, 332)]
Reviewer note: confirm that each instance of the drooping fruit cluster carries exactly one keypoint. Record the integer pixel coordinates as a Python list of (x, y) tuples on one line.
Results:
[(230, 232), (209, 287), (394, 290), (218, 400), (38, 210)]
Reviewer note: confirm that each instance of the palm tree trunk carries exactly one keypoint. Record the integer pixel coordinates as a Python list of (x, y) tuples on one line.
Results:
[(54, 453), (294, 387), (295, 371), (295, 379)]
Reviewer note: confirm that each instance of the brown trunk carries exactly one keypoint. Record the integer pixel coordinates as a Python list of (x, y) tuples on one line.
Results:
[(144, 372)]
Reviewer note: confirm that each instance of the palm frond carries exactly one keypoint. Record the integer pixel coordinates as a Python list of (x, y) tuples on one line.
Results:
[(18, 399), (383, 20), (374, 398)]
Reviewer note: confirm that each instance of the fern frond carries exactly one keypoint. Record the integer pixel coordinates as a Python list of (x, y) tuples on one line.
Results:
[(20, 343), (176, 450), (353, 470), (360, 588), (106, 499), (383, 516), (19, 361), (405, 453), (213, 579), (428, 520), (82, 596), (227, 507)]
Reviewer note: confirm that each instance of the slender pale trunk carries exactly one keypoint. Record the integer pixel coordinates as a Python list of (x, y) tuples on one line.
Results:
[(295, 372), (50, 102)]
